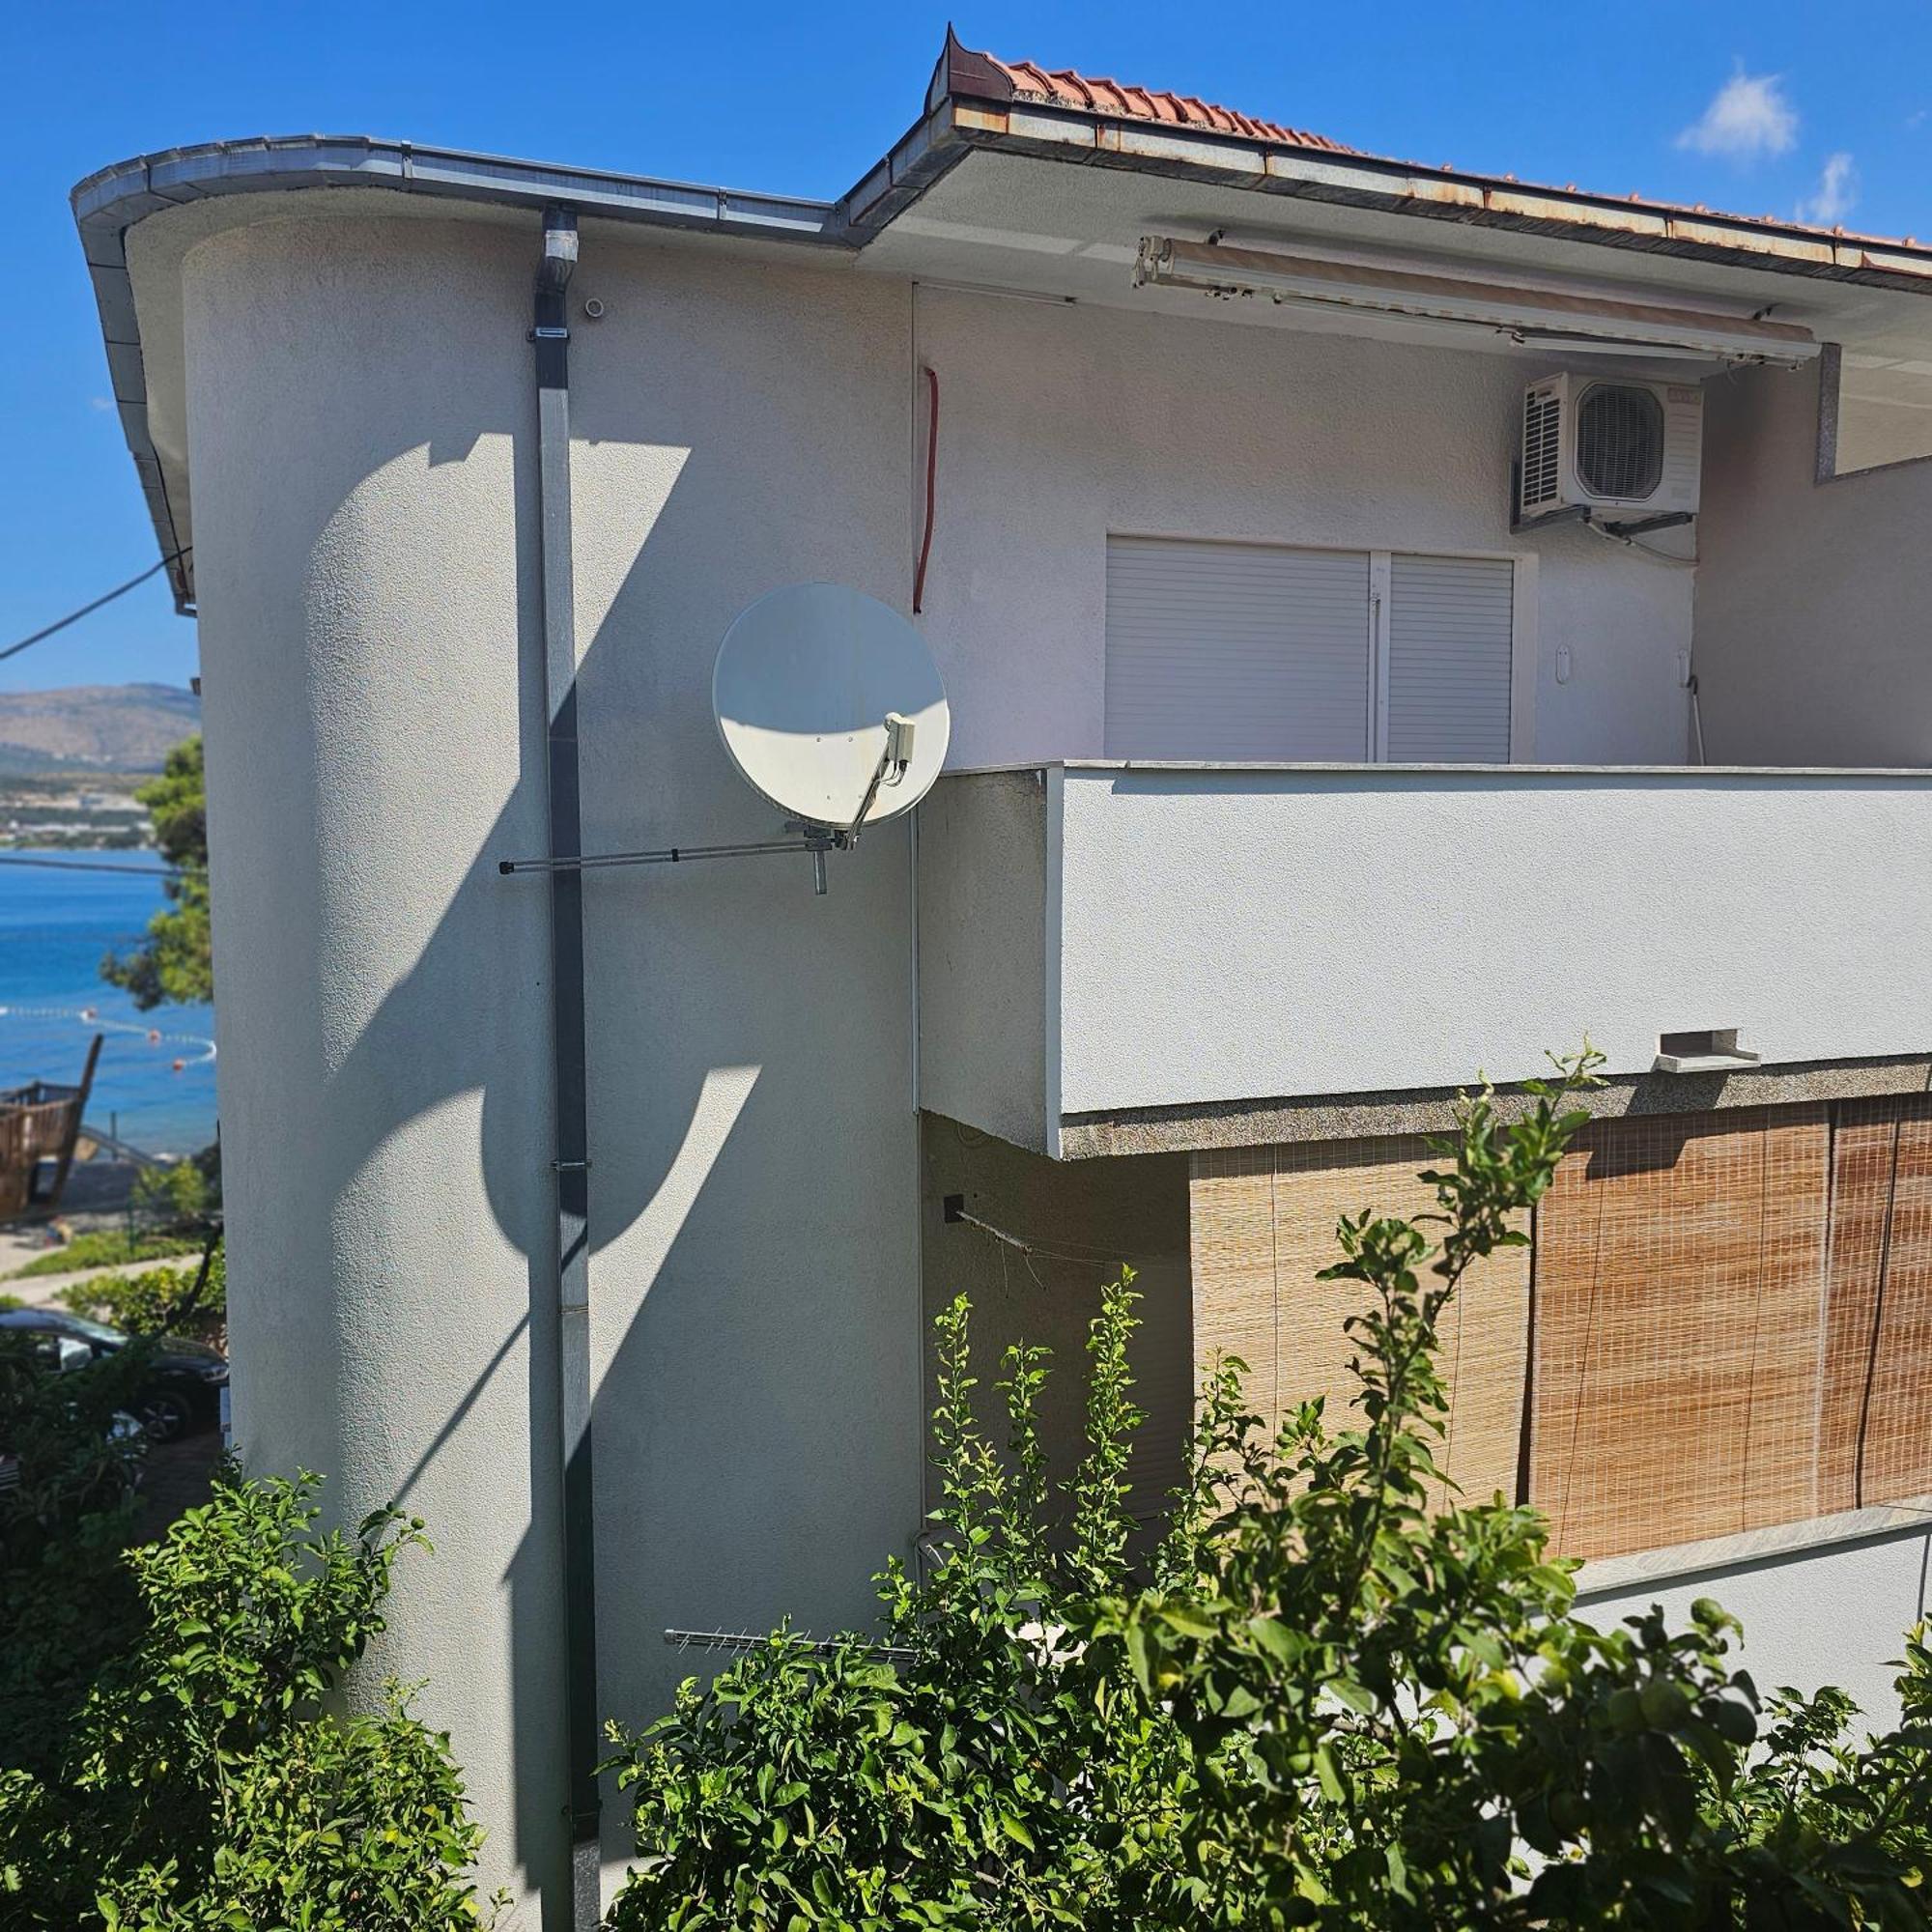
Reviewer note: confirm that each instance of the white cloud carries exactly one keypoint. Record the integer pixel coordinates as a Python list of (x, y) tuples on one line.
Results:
[(101, 402), (1748, 116), (1837, 192)]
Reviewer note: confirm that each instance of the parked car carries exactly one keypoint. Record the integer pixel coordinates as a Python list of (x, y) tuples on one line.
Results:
[(183, 1392), (125, 1436)]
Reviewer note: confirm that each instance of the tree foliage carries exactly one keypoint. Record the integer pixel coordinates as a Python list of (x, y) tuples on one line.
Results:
[(1317, 1703), (68, 1603), (157, 1301), (173, 964), (170, 1755)]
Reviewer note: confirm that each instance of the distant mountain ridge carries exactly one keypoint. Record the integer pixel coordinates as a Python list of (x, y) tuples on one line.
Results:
[(93, 727)]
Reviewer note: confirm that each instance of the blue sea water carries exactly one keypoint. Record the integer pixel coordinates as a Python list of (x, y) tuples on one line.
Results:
[(55, 927)]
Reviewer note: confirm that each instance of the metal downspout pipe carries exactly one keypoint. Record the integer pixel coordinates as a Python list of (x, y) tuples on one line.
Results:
[(551, 336)]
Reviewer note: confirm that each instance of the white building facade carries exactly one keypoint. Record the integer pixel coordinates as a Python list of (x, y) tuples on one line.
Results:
[(1292, 786)]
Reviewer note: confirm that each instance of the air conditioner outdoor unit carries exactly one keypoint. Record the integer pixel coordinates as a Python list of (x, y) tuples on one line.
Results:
[(1606, 444)]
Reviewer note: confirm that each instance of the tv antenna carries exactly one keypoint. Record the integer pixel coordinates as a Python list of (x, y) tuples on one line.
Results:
[(831, 708)]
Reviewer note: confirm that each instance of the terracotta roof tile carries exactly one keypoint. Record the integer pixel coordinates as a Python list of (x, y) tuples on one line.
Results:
[(987, 76), (1062, 87)]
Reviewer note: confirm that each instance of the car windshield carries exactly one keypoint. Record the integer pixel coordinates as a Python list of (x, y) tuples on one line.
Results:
[(92, 1331)]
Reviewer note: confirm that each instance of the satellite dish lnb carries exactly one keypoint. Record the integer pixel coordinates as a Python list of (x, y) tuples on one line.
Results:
[(830, 706)]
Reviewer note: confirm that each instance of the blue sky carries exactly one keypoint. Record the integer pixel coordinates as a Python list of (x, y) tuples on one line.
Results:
[(1772, 109)]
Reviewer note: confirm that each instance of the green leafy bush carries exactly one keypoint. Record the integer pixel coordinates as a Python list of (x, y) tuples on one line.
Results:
[(203, 1779), (157, 1300), (175, 1197), (67, 1601), (108, 1247), (1394, 1718), (846, 1787), (1316, 1704)]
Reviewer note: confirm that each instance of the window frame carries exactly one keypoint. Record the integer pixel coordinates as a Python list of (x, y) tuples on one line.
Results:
[(1381, 554), (1522, 647)]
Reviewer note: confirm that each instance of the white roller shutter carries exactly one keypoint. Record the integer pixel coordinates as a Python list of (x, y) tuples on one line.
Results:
[(1236, 652), (1449, 643)]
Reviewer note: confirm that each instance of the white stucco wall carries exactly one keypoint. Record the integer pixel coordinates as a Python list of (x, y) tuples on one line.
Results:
[(362, 419), (1814, 600), (1233, 935), (1836, 1614), (1060, 425), (985, 972), (1230, 934)]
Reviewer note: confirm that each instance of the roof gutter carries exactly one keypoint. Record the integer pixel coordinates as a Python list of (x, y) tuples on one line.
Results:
[(106, 204), (971, 102)]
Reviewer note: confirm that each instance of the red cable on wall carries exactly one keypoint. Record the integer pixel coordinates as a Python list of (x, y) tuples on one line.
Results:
[(932, 469)]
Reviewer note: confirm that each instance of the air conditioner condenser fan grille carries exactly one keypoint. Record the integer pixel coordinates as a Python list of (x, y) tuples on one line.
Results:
[(1542, 447), (1620, 442)]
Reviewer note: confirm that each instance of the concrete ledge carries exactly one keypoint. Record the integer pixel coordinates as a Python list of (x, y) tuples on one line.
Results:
[(1619, 1575), (1231, 1124)]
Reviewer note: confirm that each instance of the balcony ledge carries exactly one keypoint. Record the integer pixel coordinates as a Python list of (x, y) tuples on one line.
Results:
[(1116, 954), (1251, 768)]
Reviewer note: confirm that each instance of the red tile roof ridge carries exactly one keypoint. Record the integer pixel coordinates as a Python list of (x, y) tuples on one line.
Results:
[(1064, 87)]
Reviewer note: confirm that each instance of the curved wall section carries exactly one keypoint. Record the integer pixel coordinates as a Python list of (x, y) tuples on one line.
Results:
[(357, 398), (362, 419)]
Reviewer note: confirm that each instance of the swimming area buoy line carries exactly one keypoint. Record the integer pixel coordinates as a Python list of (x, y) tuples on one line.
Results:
[(202, 1049)]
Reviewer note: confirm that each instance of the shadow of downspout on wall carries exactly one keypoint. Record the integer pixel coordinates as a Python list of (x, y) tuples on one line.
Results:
[(532, 1578)]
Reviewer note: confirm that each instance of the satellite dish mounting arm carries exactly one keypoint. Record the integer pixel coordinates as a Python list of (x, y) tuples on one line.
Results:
[(890, 769)]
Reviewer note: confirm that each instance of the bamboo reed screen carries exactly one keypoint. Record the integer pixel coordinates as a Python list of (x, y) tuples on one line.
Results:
[(1731, 1323), (1680, 1267), (1876, 1407), (1263, 1227)]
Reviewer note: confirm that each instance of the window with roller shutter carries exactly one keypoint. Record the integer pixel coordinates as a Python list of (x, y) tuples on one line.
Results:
[(1256, 653)]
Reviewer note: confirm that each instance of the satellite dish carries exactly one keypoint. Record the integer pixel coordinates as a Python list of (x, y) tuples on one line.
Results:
[(829, 705)]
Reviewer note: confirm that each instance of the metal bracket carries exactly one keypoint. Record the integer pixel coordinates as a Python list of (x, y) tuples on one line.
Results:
[(814, 840), (744, 1640), (1582, 513), (889, 771), (1639, 525), (1571, 513)]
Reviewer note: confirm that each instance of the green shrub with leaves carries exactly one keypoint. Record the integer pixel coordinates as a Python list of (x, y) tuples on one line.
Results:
[(926, 1781), (1319, 1703), (1394, 1719), (106, 1247), (157, 1301), (176, 1198), (67, 1600), (205, 1781)]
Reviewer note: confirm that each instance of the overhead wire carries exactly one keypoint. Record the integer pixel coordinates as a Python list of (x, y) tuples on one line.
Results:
[(88, 610), (102, 865)]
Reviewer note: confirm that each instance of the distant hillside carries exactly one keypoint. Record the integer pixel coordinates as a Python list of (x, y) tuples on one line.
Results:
[(93, 727)]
